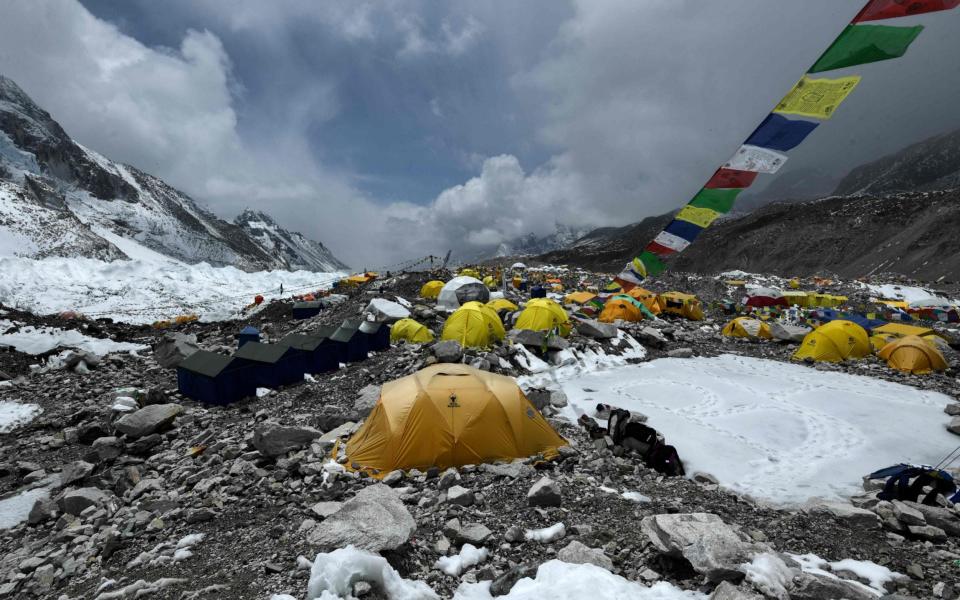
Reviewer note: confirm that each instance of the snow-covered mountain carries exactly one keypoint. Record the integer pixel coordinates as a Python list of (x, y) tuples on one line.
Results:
[(297, 251), (58, 198), (532, 244)]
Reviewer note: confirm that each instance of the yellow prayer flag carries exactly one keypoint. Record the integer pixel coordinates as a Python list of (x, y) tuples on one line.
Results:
[(817, 98), (701, 217)]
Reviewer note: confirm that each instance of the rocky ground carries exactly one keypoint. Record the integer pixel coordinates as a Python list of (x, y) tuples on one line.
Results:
[(177, 500)]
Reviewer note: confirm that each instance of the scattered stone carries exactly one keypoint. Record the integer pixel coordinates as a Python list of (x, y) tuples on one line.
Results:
[(578, 553), (928, 532), (907, 514), (595, 329), (544, 492), (680, 353), (75, 501), (74, 471), (460, 496)]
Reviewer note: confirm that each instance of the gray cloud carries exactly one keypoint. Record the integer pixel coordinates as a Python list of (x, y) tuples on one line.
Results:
[(391, 130)]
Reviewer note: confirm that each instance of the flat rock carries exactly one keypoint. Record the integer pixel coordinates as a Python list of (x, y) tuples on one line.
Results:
[(711, 546), (807, 586), (273, 439), (74, 471), (927, 532), (149, 419), (375, 520), (847, 513), (345, 430), (595, 329), (944, 518), (728, 591), (952, 409), (473, 533), (579, 554), (954, 426), (907, 514), (325, 509), (511, 470), (681, 353), (173, 348), (460, 496)]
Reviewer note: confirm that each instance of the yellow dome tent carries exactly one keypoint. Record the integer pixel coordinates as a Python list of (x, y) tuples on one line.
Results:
[(469, 273), (499, 304), (794, 284), (619, 308), (745, 327), (678, 303), (431, 289), (411, 331), (490, 282), (835, 341), (544, 314), (449, 415), (474, 325), (913, 354), (648, 298)]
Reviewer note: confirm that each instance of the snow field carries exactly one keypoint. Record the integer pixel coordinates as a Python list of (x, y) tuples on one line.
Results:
[(34, 340), (14, 414), (780, 432), (143, 290)]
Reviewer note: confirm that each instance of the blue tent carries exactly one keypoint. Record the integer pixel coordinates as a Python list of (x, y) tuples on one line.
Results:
[(247, 334), (538, 291), (353, 344), (378, 335), (900, 487), (271, 365), (825, 315), (305, 310), (320, 354), (213, 379)]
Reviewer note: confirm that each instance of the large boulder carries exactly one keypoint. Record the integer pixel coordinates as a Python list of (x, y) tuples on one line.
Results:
[(273, 439), (711, 546), (375, 520), (367, 398), (173, 348), (149, 419), (74, 471), (728, 591), (944, 518), (538, 339)]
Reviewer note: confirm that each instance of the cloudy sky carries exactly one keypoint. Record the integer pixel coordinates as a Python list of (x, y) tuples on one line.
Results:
[(397, 128)]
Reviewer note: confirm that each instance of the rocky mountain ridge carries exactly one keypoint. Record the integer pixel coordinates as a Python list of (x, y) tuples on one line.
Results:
[(58, 198)]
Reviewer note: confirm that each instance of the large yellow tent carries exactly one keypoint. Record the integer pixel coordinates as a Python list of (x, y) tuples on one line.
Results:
[(431, 289), (474, 325), (449, 415), (469, 273), (499, 304), (578, 297), (619, 308), (648, 298), (835, 341), (745, 327), (544, 314), (795, 298), (890, 332), (411, 331), (678, 303), (913, 354), (490, 282)]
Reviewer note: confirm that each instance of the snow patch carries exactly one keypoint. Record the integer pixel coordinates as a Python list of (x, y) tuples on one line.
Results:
[(334, 573), (15, 414), (877, 575), (16, 508), (547, 534), (469, 556), (38, 340), (777, 431)]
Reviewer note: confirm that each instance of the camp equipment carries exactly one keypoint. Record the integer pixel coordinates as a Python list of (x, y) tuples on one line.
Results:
[(460, 290), (431, 289), (678, 303), (474, 325), (745, 327), (648, 298), (248, 334), (410, 331), (449, 415), (834, 342), (213, 378), (543, 314), (270, 365), (578, 297), (913, 354)]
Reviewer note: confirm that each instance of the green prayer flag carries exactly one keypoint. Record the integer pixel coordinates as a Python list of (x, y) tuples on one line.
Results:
[(860, 44), (718, 199), (652, 263)]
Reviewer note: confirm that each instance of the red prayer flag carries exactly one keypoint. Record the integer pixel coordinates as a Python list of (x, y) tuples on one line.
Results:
[(660, 250), (891, 9), (732, 178)]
